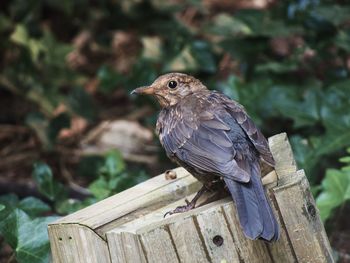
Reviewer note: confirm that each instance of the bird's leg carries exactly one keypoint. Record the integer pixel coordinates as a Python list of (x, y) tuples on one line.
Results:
[(189, 204)]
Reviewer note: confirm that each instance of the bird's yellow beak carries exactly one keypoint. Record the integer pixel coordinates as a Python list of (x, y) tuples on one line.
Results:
[(148, 90)]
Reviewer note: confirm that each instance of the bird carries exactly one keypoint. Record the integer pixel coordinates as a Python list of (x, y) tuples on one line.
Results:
[(213, 138)]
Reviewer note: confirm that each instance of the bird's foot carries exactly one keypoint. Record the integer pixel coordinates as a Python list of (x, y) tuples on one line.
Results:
[(189, 205), (181, 209)]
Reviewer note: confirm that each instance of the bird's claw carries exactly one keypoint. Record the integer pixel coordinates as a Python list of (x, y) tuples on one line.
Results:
[(180, 209)]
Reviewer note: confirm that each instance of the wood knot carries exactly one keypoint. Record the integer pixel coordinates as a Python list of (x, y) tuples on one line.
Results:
[(170, 175), (311, 210), (218, 240)]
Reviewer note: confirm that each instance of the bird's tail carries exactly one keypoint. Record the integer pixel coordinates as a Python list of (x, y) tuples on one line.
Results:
[(254, 211)]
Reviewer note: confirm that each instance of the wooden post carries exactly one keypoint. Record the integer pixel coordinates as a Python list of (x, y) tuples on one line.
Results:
[(129, 227)]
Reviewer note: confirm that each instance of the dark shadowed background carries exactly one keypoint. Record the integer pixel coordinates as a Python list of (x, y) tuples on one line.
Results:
[(70, 133)]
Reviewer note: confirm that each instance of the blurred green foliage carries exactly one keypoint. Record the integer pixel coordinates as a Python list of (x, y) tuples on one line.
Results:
[(335, 189), (288, 64), (23, 223)]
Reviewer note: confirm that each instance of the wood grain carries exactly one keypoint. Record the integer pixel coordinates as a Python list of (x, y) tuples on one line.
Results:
[(302, 221), (129, 227), (75, 243)]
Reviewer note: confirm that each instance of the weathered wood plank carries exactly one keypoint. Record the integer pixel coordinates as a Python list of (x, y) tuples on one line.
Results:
[(184, 230), (152, 194), (302, 221), (217, 236), (181, 228), (99, 218), (283, 155), (188, 242), (125, 247), (77, 244), (159, 246), (252, 251), (282, 250), (133, 226)]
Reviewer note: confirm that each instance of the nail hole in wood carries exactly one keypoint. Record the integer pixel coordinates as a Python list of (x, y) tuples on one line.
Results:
[(218, 240), (60, 238), (70, 238)]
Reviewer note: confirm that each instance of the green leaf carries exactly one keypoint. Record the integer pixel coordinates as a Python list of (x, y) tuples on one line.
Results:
[(10, 202), (46, 184), (335, 117), (113, 164), (89, 166), (277, 67), (20, 36), (2, 207), (345, 159), (196, 56), (27, 237), (303, 109), (100, 188), (336, 190), (262, 23), (30, 205), (227, 25), (304, 154), (33, 206)]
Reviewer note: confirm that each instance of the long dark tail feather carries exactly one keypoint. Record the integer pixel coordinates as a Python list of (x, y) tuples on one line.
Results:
[(254, 211)]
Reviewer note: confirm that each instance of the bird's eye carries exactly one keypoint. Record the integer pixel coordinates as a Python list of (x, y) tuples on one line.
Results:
[(172, 84)]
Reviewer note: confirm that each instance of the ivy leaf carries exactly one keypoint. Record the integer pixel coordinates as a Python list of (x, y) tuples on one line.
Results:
[(10, 202), (113, 165), (99, 188), (226, 25), (20, 36), (27, 237), (261, 24), (196, 56), (46, 184), (335, 117), (277, 67), (303, 110), (336, 190), (33, 206)]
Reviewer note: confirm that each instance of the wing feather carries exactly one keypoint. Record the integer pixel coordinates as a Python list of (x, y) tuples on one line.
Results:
[(254, 134)]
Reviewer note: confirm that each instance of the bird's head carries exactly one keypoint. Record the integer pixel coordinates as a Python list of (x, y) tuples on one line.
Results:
[(170, 88)]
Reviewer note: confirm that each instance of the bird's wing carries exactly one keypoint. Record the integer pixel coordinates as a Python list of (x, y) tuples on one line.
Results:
[(238, 112), (202, 142)]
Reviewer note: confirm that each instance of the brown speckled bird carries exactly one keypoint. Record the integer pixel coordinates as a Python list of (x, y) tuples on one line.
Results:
[(212, 137)]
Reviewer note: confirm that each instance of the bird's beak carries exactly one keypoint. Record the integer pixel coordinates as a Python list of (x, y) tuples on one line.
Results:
[(144, 90)]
